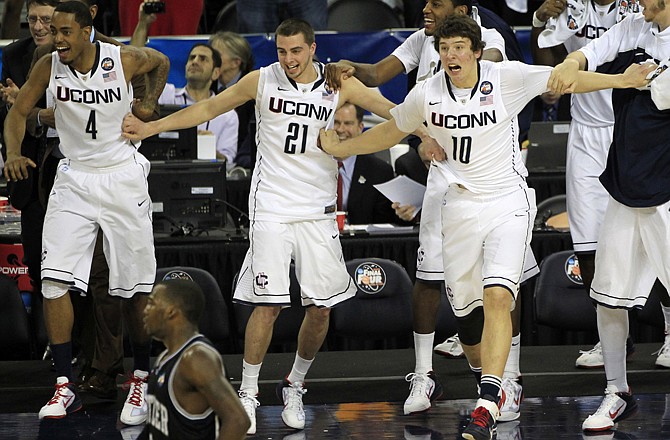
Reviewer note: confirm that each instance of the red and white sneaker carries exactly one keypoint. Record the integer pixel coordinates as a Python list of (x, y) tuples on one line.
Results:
[(135, 408), (64, 401), (615, 406)]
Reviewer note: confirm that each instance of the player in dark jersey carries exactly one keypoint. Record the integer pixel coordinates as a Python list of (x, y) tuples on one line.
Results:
[(188, 394)]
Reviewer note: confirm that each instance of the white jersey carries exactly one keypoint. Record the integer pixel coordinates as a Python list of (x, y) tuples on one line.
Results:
[(293, 178), (90, 108), (595, 108), (478, 131), (418, 50)]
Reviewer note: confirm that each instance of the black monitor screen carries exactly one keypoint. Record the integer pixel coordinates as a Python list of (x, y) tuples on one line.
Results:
[(171, 145), (187, 195)]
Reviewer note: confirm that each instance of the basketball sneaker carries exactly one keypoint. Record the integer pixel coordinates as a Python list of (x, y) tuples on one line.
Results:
[(424, 388), (249, 403), (293, 413), (593, 358), (663, 359), (615, 406), (64, 401), (482, 424), (450, 348), (135, 408), (513, 392)]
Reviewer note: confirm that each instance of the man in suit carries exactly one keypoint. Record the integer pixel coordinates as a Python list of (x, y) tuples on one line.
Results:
[(358, 174)]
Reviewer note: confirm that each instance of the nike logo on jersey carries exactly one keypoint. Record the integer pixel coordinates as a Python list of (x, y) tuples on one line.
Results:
[(59, 77), (433, 103), (334, 236), (281, 89), (141, 203)]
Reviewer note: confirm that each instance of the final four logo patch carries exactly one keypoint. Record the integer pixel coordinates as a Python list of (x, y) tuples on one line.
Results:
[(107, 63), (370, 278), (486, 87), (572, 270), (177, 275)]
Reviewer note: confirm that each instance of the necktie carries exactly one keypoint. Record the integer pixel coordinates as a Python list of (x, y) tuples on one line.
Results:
[(339, 186)]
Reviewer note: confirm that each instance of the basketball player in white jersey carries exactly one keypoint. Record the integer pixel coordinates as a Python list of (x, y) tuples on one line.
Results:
[(588, 144), (100, 184), (488, 212), (291, 203), (418, 52), (634, 241)]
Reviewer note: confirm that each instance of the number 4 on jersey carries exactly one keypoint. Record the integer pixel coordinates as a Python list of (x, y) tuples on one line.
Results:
[(90, 125)]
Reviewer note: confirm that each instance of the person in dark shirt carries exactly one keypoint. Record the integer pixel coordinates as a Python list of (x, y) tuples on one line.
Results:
[(187, 388)]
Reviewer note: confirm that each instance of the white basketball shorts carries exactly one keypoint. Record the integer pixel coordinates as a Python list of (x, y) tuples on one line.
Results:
[(633, 250), (319, 265), (586, 197), (115, 199), (486, 240)]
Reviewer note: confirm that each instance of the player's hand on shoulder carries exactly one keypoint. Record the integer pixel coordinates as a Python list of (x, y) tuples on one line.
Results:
[(336, 72), (16, 167)]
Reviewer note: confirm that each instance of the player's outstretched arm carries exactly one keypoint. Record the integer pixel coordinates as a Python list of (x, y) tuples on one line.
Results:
[(372, 75), (380, 137), (16, 165), (202, 369), (202, 111), (635, 76)]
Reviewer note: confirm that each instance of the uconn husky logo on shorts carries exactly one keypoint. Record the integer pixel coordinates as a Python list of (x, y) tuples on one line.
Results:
[(370, 278), (572, 270)]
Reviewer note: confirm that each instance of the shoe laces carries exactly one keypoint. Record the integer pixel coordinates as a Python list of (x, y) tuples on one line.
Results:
[(597, 349), (665, 348), (249, 402), (509, 387), (417, 384), (294, 394), (61, 392), (481, 417), (453, 340), (136, 386)]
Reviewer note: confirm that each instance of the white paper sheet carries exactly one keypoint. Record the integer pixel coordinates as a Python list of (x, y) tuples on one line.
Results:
[(403, 190)]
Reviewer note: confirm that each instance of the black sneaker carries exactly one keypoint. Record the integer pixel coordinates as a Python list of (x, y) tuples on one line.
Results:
[(482, 426)]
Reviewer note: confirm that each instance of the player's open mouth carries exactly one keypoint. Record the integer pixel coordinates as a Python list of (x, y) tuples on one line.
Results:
[(62, 50), (427, 22), (292, 68), (454, 67)]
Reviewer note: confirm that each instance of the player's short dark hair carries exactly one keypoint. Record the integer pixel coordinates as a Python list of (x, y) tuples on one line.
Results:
[(459, 26), (216, 56), (187, 296), (295, 26), (82, 15)]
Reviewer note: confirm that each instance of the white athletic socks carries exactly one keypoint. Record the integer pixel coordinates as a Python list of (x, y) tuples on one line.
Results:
[(423, 351), (250, 377), (299, 370), (512, 370), (613, 331)]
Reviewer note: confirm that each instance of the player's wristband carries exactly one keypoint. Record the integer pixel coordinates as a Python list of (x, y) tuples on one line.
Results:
[(537, 22)]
